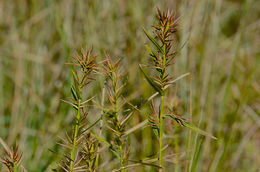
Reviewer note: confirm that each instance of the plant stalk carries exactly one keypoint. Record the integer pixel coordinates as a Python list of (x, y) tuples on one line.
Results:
[(161, 132), (121, 158), (15, 168), (76, 131), (100, 128)]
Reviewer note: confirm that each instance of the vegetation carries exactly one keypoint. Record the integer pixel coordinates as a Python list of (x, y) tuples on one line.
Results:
[(64, 108)]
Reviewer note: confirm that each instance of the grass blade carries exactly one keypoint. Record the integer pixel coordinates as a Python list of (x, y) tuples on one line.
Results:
[(151, 82), (153, 41), (192, 127), (198, 130), (107, 144)]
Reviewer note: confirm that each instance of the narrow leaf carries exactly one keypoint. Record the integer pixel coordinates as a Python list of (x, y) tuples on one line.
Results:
[(190, 126), (114, 152), (153, 41), (151, 82), (146, 163), (101, 140), (138, 163), (65, 101), (107, 144), (150, 52), (198, 130), (92, 125), (73, 92), (138, 126), (76, 86)]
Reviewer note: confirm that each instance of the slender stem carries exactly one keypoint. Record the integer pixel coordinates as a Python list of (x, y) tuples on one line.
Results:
[(76, 131), (161, 132), (121, 158), (15, 168), (121, 142), (117, 118), (90, 165), (100, 128), (176, 149), (189, 134)]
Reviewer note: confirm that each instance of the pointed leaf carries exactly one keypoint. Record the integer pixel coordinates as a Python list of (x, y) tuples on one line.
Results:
[(76, 87), (101, 139), (73, 105), (138, 163), (150, 52), (107, 144), (153, 41), (114, 152), (92, 124), (146, 163), (190, 126), (198, 130), (73, 92), (138, 126), (151, 82)]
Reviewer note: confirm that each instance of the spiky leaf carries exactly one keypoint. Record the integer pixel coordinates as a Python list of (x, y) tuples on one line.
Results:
[(76, 90), (73, 92), (153, 41), (151, 82), (150, 52)]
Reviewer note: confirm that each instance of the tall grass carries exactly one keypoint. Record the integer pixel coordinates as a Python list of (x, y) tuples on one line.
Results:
[(81, 149), (162, 59), (217, 43), (116, 121)]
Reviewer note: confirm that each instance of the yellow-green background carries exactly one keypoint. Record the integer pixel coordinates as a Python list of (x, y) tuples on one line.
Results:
[(221, 50)]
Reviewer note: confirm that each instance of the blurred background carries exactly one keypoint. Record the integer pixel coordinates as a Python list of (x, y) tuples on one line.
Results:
[(218, 43)]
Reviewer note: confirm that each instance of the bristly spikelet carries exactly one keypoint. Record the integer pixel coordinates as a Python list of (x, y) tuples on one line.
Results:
[(12, 159), (86, 62), (163, 56), (79, 150), (89, 151), (115, 119)]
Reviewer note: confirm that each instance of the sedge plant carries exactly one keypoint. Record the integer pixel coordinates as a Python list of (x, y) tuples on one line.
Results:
[(83, 147), (12, 159), (162, 58), (115, 119)]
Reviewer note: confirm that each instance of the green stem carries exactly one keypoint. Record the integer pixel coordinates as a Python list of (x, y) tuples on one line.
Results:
[(90, 167), (76, 131), (15, 168), (101, 128), (176, 149), (121, 157), (161, 132)]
